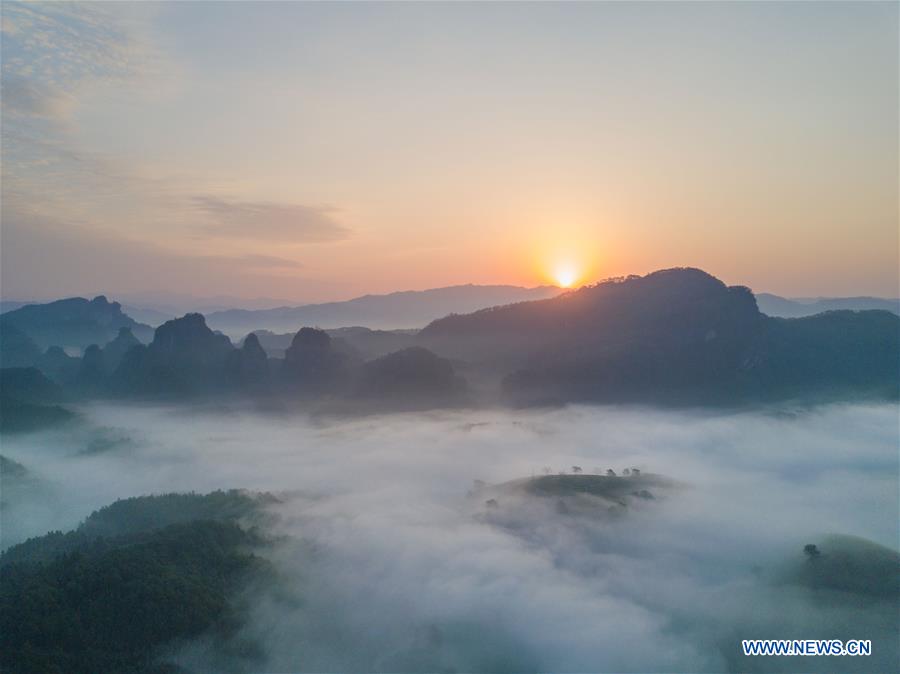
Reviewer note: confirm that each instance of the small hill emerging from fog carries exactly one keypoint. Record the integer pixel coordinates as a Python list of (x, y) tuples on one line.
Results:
[(678, 336), (408, 309), (848, 564), (74, 322), (573, 493)]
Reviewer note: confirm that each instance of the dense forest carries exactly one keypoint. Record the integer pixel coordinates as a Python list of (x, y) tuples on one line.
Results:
[(135, 576)]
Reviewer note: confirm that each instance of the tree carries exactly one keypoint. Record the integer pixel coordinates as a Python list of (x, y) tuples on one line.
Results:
[(811, 551), (576, 469)]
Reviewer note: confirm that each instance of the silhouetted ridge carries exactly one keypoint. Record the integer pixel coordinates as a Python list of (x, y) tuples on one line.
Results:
[(674, 336), (16, 348), (672, 294), (249, 365), (74, 322), (58, 365), (185, 356), (312, 364), (115, 351), (415, 375)]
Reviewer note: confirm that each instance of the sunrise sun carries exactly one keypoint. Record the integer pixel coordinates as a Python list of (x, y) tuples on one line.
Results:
[(565, 275)]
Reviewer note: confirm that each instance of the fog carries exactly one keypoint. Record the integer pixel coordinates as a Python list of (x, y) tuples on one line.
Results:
[(385, 559)]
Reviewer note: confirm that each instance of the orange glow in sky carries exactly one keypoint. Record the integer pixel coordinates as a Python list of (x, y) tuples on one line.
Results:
[(566, 275)]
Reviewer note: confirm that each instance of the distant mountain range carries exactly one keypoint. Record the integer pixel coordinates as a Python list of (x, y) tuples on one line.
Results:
[(408, 309), (399, 310), (798, 307)]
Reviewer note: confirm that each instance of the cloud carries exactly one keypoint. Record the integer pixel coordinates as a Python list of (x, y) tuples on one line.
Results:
[(259, 261), (85, 258), (56, 59), (267, 220), (386, 565), (71, 43), (21, 96)]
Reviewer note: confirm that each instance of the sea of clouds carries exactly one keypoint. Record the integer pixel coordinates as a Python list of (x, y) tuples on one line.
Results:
[(386, 562)]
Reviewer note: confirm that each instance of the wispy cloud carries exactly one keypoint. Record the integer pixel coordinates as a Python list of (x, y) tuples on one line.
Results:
[(54, 52), (56, 59), (268, 220), (259, 261), (100, 258), (32, 98)]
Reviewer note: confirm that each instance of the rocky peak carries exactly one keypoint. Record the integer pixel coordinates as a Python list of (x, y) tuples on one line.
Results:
[(189, 335)]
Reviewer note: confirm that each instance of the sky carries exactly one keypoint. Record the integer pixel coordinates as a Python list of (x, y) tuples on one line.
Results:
[(319, 151)]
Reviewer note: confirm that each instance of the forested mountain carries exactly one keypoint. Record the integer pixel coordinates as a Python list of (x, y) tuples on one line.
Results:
[(135, 576), (677, 336)]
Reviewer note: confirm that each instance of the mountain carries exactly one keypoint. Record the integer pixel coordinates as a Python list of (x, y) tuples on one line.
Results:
[(27, 401), (187, 358), (677, 336), (135, 577), (184, 357), (16, 348), (175, 304), (114, 352), (58, 365), (248, 366), (412, 378), (363, 342), (97, 365), (782, 307), (313, 364), (409, 309), (28, 384), (74, 322), (12, 305)]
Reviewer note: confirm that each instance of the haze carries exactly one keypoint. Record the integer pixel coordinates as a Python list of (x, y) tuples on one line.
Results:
[(326, 150)]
